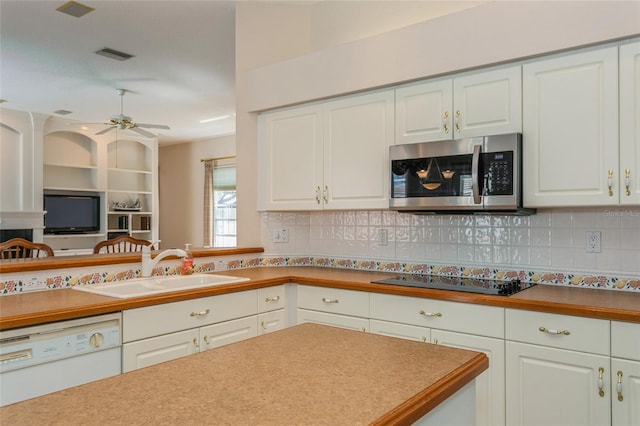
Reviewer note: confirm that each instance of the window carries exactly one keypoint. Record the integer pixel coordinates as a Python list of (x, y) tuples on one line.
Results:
[(224, 208)]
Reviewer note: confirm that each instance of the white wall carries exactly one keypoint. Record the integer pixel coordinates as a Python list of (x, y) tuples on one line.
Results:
[(181, 182)]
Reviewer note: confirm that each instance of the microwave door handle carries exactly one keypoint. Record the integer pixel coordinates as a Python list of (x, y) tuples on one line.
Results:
[(475, 178)]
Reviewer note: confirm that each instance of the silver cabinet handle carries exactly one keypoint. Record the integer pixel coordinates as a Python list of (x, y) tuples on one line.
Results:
[(272, 299), (263, 325), (475, 173), (553, 331), (318, 195), (195, 343), (430, 314), (206, 340), (457, 121), (327, 300), (201, 313), (325, 194), (610, 182), (445, 121)]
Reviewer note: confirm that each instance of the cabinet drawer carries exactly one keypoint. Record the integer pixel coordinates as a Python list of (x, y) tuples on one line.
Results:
[(334, 300), (625, 340), (559, 331), (271, 298), (162, 319), (453, 316), (342, 321)]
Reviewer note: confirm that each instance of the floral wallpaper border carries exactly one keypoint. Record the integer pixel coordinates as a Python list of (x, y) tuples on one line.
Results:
[(57, 280)]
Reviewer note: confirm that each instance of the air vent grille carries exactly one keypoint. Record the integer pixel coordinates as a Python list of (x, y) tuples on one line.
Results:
[(114, 54), (75, 9)]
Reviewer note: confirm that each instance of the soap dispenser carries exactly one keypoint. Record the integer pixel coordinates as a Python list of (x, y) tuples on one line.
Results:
[(187, 261)]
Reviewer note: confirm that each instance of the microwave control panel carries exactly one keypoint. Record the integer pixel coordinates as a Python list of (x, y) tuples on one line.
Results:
[(498, 173)]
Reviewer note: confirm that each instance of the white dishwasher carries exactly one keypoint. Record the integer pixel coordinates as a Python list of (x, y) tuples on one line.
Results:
[(46, 358)]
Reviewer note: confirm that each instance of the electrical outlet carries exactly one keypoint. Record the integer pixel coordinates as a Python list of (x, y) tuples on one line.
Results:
[(33, 283), (280, 235), (593, 241), (383, 237)]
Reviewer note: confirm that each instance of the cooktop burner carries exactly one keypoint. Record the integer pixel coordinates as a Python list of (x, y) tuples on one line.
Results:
[(464, 284)]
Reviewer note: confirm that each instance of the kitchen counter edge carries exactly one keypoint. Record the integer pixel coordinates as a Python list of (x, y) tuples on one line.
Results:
[(41, 307)]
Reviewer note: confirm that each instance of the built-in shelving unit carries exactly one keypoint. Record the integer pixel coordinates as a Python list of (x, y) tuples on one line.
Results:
[(119, 168)]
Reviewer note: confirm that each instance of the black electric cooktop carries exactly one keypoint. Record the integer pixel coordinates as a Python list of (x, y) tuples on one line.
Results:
[(464, 284)]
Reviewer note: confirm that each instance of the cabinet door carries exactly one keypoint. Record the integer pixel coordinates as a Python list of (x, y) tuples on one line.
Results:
[(490, 387), (630, 124), (343, 321), (625, 392), (548, 386), (570, 129), (217, 335), (272, 321), (423, 112), (144, 353), (290, 152), (401, 331), (488, 103), (358, 131)]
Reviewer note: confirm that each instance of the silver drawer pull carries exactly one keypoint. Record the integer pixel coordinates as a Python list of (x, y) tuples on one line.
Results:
[(200, 314), (272, 299), (552, 331), (327, 300), (430, 314)]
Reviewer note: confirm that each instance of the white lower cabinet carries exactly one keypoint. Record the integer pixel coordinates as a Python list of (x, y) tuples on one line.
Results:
[(453, 324), (625, 373), (490, 387), (330, 306), (164, 332), (155, 350), (557, 369)]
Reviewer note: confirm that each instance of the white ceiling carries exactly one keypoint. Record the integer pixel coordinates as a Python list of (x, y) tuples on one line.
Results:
[(182, 72)]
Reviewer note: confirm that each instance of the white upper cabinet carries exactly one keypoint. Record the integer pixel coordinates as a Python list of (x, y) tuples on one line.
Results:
[(629, 175), (330, 155), (570, 130), (469, 105)]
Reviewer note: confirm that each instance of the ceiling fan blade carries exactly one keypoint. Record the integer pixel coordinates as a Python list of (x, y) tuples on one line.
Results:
[(153, 126), (103, 131), (143, 132)]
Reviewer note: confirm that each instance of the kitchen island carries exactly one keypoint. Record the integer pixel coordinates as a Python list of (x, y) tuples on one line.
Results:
[(307, 374)]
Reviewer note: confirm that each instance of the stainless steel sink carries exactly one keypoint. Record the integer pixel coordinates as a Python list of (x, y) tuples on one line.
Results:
[(154, 285)]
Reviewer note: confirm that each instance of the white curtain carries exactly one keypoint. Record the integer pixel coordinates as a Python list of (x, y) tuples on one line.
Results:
[(209, 204)]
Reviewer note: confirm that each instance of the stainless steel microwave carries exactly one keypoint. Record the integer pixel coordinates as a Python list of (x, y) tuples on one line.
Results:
[(473, 175)]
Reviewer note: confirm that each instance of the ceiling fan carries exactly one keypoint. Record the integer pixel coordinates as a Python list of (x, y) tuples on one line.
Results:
[(124, 122)]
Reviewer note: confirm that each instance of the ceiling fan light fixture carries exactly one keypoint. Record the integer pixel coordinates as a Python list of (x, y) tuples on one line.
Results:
[(114, 54), (75, 9)]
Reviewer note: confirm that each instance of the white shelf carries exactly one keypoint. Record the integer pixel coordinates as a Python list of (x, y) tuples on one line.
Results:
[(115, 169), (71, 166), (52, 236)]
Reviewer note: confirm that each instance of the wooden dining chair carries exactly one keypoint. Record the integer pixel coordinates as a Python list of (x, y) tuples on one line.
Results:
[(120, 244), (19, 248)]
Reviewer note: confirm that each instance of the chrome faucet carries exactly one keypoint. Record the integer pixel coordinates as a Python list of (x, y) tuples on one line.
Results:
[(148, 264)]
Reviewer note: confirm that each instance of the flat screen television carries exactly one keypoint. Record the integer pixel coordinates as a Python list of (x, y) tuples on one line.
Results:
[(71, 214)]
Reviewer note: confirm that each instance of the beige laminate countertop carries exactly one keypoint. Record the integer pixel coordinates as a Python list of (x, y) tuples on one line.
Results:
[(306, 374), (55, 305)]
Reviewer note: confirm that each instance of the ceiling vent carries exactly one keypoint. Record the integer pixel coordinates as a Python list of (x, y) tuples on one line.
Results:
[(75, 9), (114, 54), (62, 112)]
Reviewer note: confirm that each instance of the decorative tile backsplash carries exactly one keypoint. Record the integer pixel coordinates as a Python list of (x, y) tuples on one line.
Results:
[(549, 248)]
